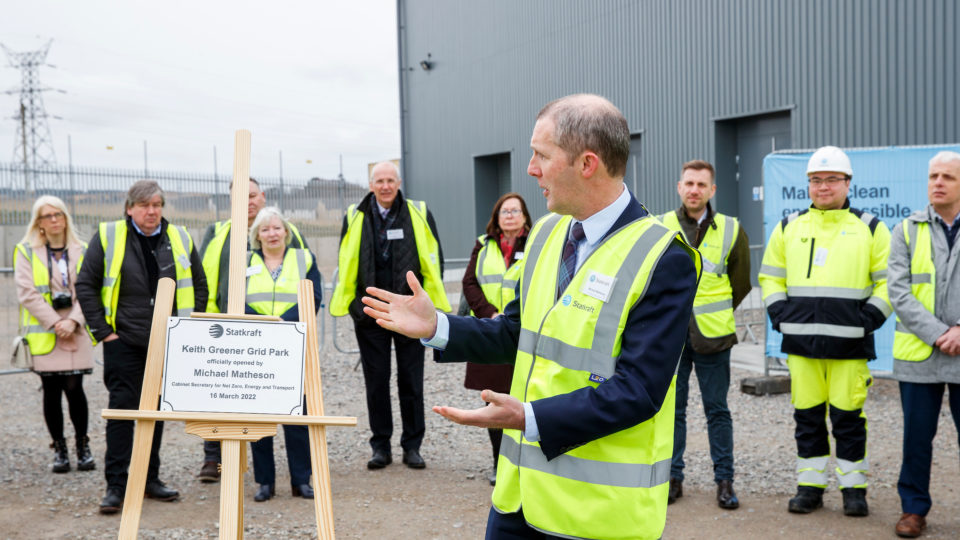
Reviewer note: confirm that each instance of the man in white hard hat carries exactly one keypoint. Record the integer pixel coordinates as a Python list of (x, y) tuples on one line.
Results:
[(824, 281)]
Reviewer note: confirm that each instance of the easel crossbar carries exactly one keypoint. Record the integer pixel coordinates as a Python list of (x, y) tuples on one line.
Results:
[(184, 416)]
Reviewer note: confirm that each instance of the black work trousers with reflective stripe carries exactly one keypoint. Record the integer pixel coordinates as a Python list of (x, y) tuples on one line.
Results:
[(374, 344), (123, 367)]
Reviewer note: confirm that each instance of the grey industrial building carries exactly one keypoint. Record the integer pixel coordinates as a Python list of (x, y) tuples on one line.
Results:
[(724, 80)]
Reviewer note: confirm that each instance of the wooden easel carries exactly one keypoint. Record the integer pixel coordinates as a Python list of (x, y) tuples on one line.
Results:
[(231, 429)]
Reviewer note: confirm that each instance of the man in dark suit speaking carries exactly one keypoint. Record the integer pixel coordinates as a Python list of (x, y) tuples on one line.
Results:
[(595, 334)]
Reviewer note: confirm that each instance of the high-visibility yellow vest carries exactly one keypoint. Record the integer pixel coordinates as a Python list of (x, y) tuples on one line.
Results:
[(428, 252), (615, 486), (213, 251), (40, 340), (496, 281), (269, 297), (923, 284), (713, 306), (113, 238)]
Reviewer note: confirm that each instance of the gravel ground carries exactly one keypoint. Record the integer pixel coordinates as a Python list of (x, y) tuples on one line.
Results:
[(449, 499)]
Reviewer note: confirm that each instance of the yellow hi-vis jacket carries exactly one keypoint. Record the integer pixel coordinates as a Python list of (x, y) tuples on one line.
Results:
[(113, 239), (214, 250), (824, 282), (615, 486), (713, 306), (269, 297), (923, 284), (428, 253), (39, 339)]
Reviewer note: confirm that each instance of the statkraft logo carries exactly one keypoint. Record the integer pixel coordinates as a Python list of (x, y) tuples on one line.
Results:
[(569, 301), (216, 330)]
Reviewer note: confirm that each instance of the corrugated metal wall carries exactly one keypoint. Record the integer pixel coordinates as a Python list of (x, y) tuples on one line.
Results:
[(852, 72)]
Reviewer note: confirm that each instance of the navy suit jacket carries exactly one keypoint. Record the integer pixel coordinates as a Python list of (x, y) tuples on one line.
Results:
[(652, 341)]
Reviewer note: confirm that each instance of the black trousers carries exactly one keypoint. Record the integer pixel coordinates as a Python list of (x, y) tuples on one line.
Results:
[(374, 345), (123, 367)]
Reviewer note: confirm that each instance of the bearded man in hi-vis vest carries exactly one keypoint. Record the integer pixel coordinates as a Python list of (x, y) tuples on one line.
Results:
[(725, 250), (595, 334)]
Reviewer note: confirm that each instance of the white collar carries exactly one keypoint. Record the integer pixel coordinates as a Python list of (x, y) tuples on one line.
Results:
[(596, 226)]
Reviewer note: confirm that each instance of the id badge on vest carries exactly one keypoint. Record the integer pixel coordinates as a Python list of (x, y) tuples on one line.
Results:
[(394, 234), (597, 285)]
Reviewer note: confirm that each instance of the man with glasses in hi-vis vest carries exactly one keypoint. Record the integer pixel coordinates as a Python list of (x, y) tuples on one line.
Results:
[(595, 334), (824, 281), (924, 283)]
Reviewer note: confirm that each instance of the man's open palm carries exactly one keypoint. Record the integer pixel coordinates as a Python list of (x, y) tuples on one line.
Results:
[(413, 316)]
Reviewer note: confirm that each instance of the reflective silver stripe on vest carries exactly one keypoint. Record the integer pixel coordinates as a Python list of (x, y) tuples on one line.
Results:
[(867, 217), (847, 293), (920, 278), (301, 265), (599, 358), (721, 267), (37, 329), (271, 297), (713, 307), (878, 275), (486, 279), (184, 238), (184, 283), (184, 312), (793, 216), (509, 284), (880, 304), (774, 297), (851, 474), (774, 271), (43, 289), (821, 329), (533, 252), (628, 475), (111, 251)]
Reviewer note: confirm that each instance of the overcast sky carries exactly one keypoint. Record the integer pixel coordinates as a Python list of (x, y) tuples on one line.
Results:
[(314, 79)]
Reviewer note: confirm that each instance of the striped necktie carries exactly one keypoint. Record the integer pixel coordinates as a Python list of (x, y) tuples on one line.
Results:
[(568, 263)]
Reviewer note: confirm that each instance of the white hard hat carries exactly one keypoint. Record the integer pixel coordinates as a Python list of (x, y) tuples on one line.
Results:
[(829, 159)]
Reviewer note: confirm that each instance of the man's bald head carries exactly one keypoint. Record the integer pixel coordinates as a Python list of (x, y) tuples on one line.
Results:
[(590, 122)]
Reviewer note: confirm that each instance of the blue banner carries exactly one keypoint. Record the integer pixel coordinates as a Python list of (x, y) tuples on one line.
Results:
[(890, 183)]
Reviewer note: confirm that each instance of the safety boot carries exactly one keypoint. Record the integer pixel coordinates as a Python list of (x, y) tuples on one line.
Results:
[(84, 457), (855, 502), (807, 499), (61, 462)]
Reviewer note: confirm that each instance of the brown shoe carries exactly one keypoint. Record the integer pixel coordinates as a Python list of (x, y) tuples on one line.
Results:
[(910, 525), (210, 472)]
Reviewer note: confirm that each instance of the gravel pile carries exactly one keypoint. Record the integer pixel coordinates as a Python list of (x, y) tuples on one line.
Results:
[(764, 454)]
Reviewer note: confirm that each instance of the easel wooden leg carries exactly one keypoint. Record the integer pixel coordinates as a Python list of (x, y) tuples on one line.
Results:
[(231, 491), (323, 496), (136, 479)]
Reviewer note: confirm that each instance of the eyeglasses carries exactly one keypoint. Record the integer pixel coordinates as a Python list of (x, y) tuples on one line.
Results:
[(830, 181), (513, 212), (54, 216)]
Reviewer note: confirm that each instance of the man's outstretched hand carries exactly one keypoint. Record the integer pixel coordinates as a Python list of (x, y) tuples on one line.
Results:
[(413, 316), (504, 412)]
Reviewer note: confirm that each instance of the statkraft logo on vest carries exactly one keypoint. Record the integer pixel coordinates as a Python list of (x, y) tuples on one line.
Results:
[(568, 300)]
